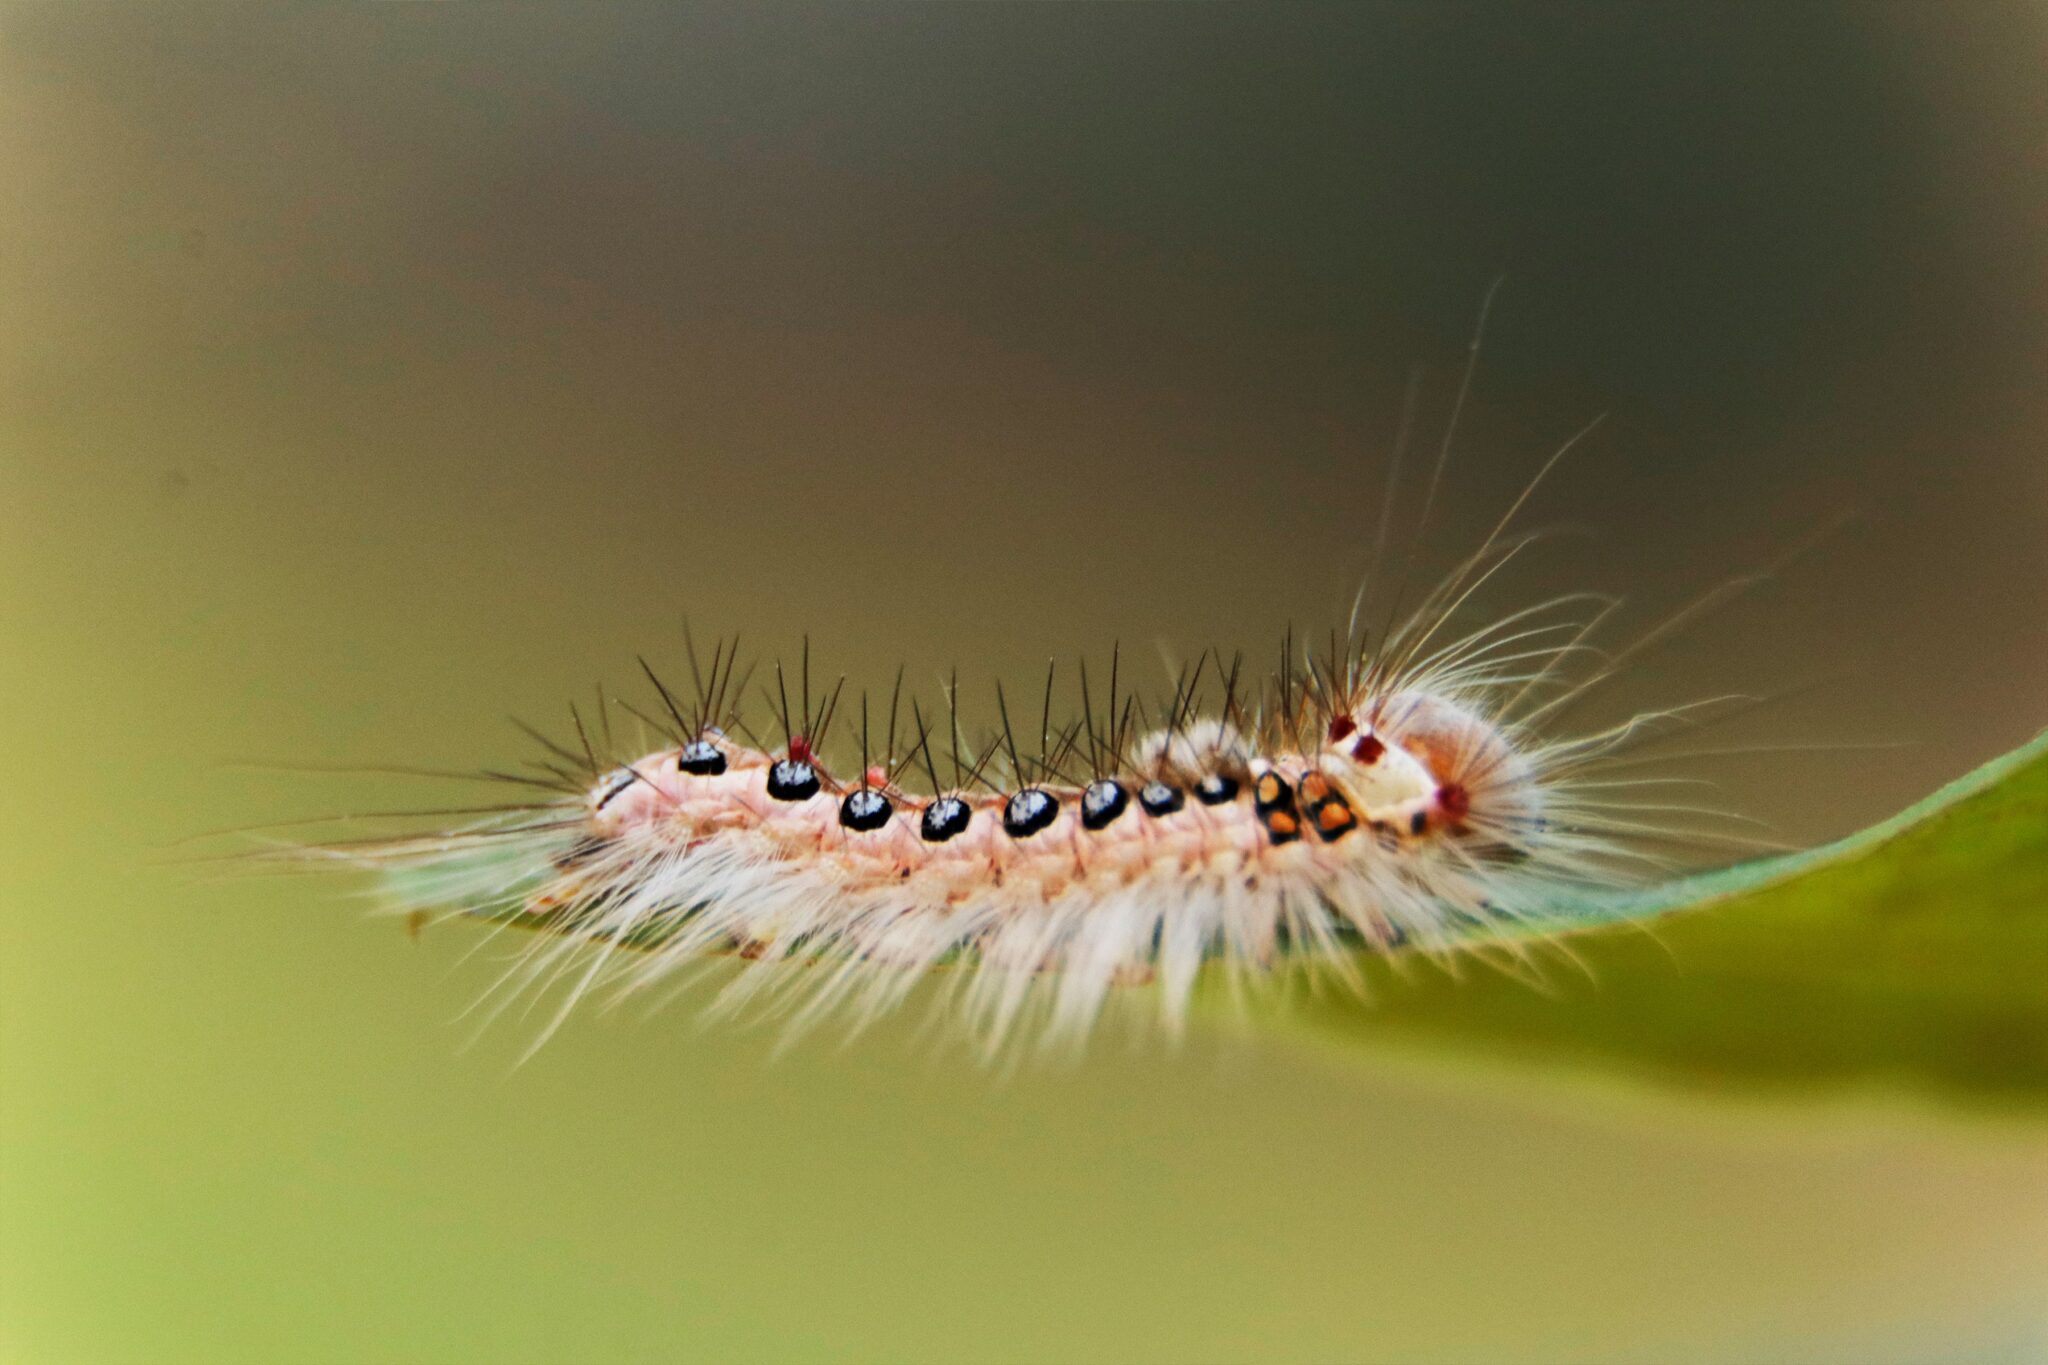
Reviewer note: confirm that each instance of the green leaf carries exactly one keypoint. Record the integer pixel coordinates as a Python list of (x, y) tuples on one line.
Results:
[(1914, 952)]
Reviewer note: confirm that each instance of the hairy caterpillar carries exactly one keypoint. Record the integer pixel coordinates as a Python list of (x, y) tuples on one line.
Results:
[(1391, 799), (1400, 790)]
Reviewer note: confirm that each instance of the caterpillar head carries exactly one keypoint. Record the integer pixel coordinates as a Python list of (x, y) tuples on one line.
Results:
[(1417, 759)]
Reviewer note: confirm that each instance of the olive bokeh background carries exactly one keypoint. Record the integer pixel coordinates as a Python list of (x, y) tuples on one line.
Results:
[(367, 374)]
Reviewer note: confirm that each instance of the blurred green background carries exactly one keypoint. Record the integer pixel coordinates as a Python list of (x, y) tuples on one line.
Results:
[(367, 374)]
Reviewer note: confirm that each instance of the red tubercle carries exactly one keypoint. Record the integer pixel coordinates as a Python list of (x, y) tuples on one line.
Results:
[(800, 750), (1342, 727), (1368, 750), (1454, 801)]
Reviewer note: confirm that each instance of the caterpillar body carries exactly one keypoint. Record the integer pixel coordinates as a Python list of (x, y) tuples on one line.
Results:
[(1405, 790), (1199, 842), (1390, 799)]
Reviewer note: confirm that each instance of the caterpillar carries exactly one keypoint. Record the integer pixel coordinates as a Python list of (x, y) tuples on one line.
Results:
[(1404, 789), (1392, 795)]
